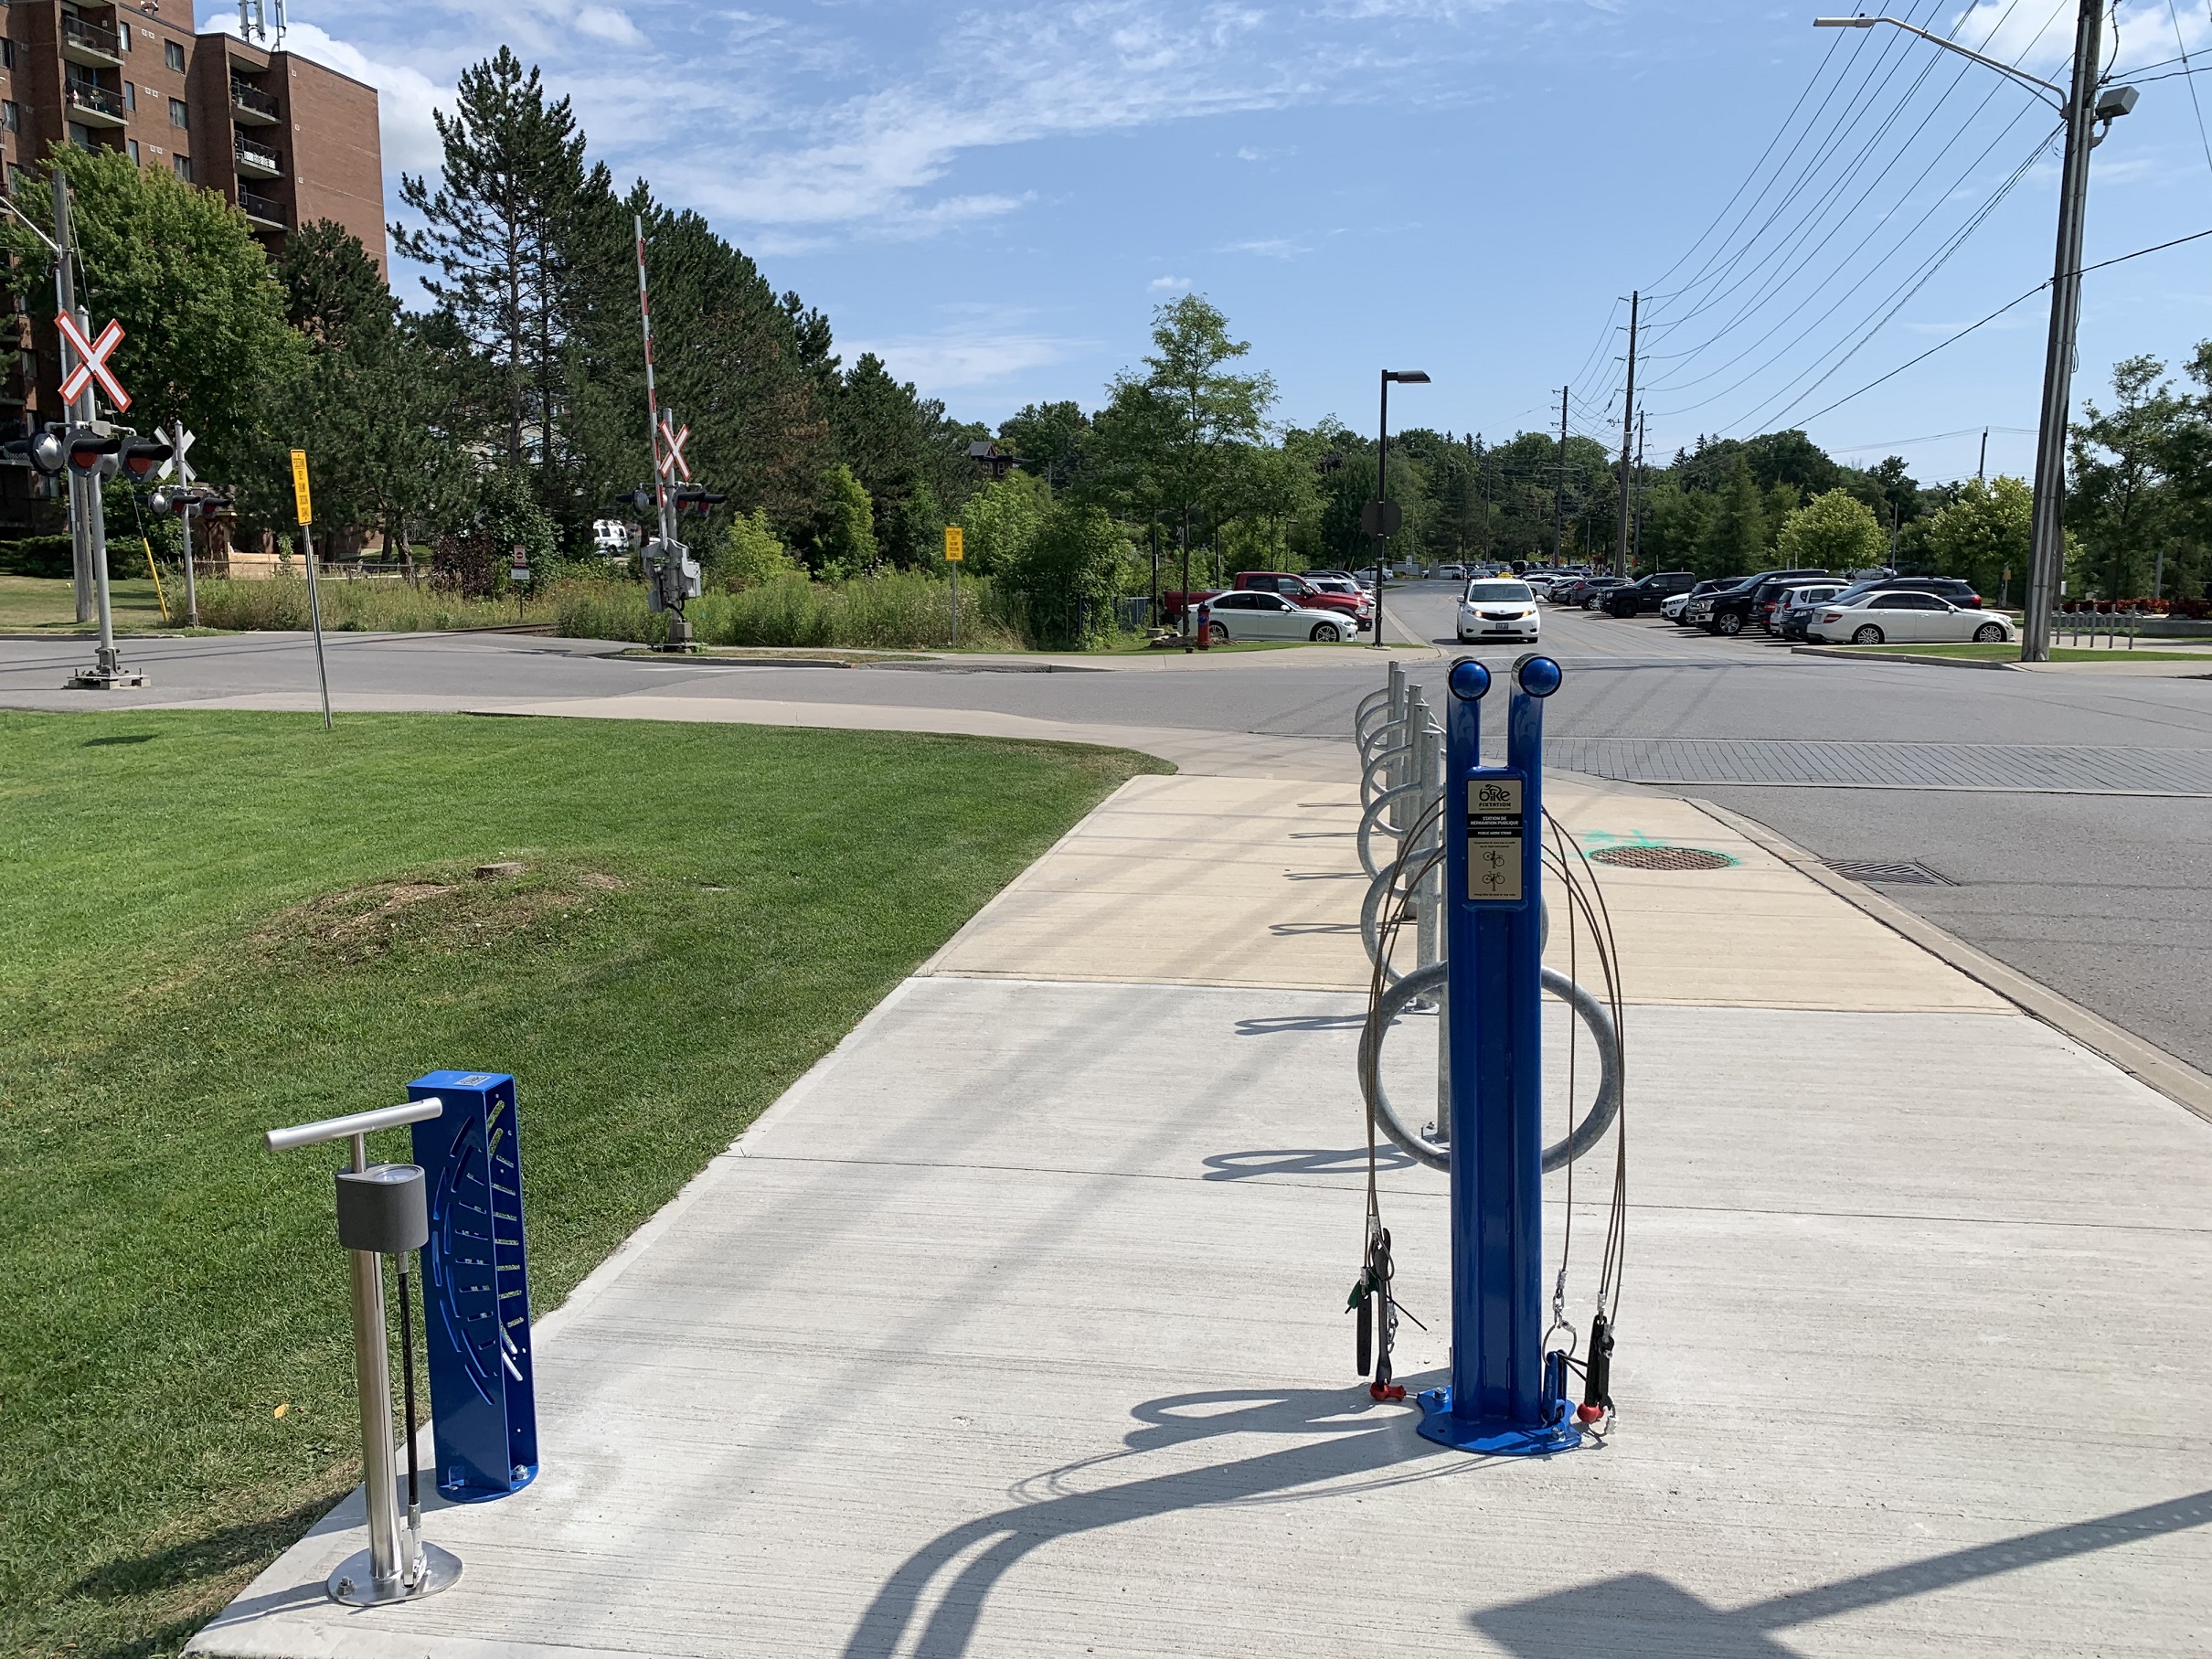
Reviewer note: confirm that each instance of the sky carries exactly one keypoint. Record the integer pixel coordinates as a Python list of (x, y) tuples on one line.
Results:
[(996, 200)]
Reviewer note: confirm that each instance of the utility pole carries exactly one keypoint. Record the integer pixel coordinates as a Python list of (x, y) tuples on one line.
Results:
[(1558, 494), (1982, 466), (1636, 542), (1627, 416), (2047, 557)]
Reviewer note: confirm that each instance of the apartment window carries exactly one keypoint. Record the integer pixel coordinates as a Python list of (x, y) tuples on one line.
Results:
[(132, 145), (130, 95), (182, 166), (173, 55), (80, 135), (11, 116), (7, 53), (123, 34), (179, 116)]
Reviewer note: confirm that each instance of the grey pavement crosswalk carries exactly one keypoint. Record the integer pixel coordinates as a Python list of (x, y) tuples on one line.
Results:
[(2045, 769)]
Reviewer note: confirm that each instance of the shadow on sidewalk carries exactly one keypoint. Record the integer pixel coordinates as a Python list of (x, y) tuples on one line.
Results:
[(1344, 1436), (1645, 1614)]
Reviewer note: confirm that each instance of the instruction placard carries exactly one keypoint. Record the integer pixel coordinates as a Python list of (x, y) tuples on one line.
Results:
[(1494, 839)]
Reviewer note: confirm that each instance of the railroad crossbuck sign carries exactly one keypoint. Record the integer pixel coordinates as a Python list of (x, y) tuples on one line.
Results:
[(92, 362), (672, 462)]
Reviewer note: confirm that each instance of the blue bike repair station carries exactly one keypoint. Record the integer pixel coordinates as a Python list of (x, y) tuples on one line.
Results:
[(1508, 1393)]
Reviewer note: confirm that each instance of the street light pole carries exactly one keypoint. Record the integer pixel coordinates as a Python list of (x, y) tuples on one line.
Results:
[(2079, 107), (2047, 539), (1382, 514)]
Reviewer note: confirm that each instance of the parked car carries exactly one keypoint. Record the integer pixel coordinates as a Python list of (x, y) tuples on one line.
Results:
[(1577, 588), (1451, 573), (1648, 593), (1271, 616), (1594, 589), (1956, 589), (1673, 608), (1356, 607), (1498, 608), (1797, 606), (1732, 610), (1904, 618)]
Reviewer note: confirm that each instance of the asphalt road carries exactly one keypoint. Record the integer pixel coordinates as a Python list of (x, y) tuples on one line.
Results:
[(2080, 854), (2101, 896)]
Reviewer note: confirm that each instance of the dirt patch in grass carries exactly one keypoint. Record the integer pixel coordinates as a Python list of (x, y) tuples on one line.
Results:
[(439, 912)]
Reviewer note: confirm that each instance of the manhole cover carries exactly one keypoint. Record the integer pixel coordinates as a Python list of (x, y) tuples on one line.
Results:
[(1874, 871), (1663, 859)]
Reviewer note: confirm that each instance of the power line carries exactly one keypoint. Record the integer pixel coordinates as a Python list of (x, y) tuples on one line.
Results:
[(1992, 317)]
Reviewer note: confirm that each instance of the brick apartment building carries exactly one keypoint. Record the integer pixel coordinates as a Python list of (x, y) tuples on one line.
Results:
[(286, 139)]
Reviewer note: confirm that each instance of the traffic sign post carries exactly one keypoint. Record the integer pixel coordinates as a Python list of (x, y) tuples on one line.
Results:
[(180, 444), (304, 503), (956, 551), (1381, 520)]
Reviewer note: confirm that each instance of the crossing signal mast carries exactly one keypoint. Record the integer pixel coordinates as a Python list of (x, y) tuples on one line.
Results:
[(672, 574), (89, 450)]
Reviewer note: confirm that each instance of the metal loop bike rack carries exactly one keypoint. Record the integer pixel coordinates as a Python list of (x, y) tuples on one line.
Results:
[(1429, 982)]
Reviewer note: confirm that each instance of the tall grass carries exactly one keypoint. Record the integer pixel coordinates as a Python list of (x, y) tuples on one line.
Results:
[(897, 611), (356, 607)]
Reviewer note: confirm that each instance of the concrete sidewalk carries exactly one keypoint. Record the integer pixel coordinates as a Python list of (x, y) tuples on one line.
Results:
[(1016, 1327)]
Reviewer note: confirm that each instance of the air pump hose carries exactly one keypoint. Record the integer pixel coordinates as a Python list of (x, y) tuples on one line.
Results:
[(1429, 982)]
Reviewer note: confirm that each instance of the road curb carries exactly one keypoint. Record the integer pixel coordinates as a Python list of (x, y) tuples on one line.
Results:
[(1864, 655), (2146, 1062)]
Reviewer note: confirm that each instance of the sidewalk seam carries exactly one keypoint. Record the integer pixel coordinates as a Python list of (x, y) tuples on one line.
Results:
[(2146, 1062)]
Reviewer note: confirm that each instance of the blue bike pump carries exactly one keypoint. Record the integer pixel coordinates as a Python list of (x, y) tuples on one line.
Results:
[(1499, 1401)]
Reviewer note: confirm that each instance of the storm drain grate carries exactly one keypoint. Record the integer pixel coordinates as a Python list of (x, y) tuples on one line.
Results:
[(1649, 857), (1876, 872)]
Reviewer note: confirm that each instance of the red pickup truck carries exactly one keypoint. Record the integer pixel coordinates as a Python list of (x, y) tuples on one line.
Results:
[(1296, 589)]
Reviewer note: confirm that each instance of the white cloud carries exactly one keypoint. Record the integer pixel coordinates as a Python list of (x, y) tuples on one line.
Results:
[(967, 357), (794, 126), (1168, 284), (1269, 248)]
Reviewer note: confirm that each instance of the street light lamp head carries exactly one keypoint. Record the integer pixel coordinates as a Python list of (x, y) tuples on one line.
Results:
[(2116, 101), (1843, 23), (1407, 376)]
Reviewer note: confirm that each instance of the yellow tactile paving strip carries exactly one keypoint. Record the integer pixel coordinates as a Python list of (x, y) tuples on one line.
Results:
[(1158, 885)]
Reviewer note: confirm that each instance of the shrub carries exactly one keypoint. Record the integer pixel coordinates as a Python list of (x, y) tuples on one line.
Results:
[(36, 556), (896, 611), (353, 607)]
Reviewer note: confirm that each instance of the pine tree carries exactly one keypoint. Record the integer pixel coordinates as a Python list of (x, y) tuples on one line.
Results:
[(498, 231)]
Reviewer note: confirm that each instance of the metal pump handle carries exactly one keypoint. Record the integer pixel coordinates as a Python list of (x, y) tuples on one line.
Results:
[(352, 1124)]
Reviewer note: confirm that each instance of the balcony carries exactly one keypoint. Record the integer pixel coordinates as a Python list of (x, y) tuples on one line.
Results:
[(263, 210), (249, 103), (256, 161), (95, 106), (83, 42)]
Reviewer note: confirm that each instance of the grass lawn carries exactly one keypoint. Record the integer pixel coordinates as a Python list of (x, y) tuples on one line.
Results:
[(41, 605), (213, 923), (1999, 651)]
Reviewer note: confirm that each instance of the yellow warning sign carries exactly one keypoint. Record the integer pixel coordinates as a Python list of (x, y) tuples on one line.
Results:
[(299, 486), (956, 544)]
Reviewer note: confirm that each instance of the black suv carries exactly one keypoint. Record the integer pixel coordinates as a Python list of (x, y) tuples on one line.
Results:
[(1732, 610), (1648, 594)]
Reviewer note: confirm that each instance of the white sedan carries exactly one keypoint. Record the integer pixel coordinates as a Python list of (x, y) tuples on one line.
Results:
[(1270, 616), (1895, 618), (1498, 609)]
